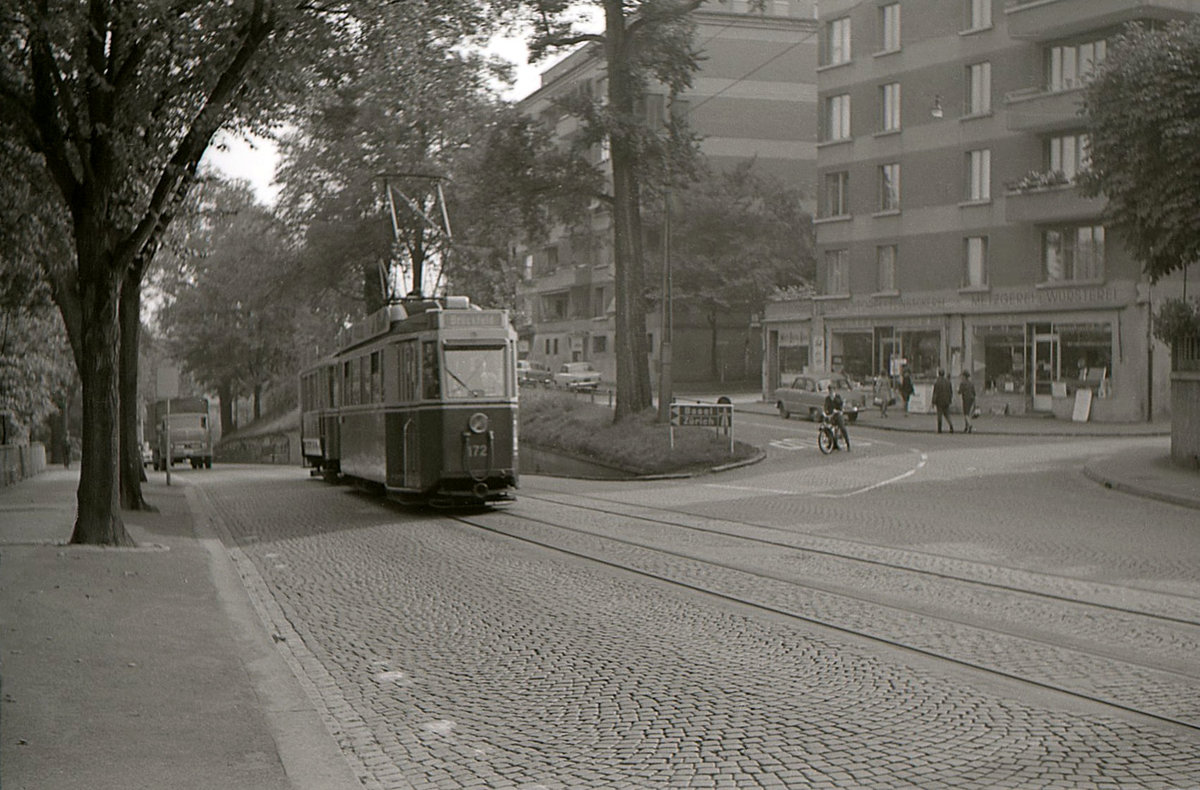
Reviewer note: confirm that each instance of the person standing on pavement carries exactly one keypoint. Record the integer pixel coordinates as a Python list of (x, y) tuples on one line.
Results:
[(966, 391), (943, 396), (906, 387), (883, 391)]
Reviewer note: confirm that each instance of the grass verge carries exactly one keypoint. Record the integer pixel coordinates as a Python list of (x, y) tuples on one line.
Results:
[(568, 424)]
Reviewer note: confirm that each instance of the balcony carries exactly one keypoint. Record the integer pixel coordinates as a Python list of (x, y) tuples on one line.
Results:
[(1052, 199), (1044, 20), (1037, 110)]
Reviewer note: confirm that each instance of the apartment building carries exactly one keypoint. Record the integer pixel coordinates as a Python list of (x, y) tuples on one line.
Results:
[(753, 97), (950, 231)]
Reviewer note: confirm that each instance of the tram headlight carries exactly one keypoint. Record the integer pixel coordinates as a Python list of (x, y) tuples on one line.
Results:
[(478, 422)]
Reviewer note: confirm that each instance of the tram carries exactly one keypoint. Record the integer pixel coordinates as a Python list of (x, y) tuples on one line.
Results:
[(422, 401)]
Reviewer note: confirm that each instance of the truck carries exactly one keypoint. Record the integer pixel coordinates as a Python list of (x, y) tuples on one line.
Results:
[(184, 422)]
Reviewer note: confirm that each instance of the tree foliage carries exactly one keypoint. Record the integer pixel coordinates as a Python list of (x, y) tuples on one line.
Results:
[(117, 102), (230, 317), (736, 237), (1143, 112)]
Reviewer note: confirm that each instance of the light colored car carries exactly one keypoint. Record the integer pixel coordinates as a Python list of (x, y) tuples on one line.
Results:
[(531, 372), (806, 396), (577, 376)]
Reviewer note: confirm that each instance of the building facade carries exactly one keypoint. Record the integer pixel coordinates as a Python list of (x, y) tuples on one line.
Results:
[(753, 97), (950, 231)]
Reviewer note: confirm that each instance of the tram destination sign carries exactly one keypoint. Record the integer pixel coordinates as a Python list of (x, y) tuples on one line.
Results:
[(703, 415)]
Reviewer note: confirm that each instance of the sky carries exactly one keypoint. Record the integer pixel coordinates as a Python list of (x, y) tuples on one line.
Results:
[(253, 159)]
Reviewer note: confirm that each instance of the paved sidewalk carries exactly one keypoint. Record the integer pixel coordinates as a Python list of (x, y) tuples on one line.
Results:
[(141, 668)]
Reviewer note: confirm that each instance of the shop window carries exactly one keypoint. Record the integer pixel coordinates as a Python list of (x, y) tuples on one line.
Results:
[(599, 344), (923, 350), (1086, 353), (1073, 254), (1001, 349)]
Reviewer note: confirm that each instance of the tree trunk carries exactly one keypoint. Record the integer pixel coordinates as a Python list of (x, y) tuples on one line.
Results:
[(225, 393), (257, 402), (713, 370), (633, 364), (132, 470), (99, 518)]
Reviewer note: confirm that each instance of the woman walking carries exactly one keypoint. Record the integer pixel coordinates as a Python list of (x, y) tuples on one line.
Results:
[(966, 391), (883, 392)]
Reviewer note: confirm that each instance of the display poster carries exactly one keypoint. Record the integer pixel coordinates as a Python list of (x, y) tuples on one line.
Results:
[(921, 398), (1083, 405)]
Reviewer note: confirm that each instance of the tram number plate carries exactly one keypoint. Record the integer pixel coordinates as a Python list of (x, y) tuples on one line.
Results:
[(477, 449)]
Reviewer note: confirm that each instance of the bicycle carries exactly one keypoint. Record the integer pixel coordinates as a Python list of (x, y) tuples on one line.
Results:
[(828, 433)]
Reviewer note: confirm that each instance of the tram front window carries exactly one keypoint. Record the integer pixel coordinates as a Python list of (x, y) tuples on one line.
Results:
[(474, 372)]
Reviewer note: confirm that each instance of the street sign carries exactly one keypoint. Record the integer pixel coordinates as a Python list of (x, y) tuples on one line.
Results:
[(702, 415)]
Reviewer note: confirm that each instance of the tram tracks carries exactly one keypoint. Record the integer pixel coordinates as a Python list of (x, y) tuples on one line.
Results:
[(1085, 640)]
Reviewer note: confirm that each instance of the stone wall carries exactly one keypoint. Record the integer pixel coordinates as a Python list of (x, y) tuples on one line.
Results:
[(1185, 418), (19, 461)]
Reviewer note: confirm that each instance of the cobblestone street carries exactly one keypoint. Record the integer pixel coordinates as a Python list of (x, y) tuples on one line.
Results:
[(447, 657)]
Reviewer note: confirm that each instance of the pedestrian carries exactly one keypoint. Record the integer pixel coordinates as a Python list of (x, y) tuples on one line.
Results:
[(883, 392), (966, 391), (906, 387), (943, 396)]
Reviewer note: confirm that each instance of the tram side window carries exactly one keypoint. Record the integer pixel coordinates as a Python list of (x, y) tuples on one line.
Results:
[(408, 371), (431, 386), (376, 377), (347, 390)]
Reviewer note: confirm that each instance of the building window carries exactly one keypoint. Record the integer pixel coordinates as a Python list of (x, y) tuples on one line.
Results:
[(836, 197), (975, 262), (1073, 254), (979, 88), (889, 27), (885, 268), (1069, 66), (551, 259), (837, 272), (1068, 154), (979, 174), (599, 344), (979, 14), (837, 42), (889, 187), (889, 106), (837, 117)]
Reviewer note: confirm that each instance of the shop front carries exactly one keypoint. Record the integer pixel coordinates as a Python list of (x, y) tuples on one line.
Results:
[(1075, 353)]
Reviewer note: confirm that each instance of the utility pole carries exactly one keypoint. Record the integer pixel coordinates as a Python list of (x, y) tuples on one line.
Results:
[(665, 394)]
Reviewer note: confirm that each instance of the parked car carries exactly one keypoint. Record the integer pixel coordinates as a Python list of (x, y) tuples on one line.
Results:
[(147, 454), (806, 396), (531, 372), (577, 376)]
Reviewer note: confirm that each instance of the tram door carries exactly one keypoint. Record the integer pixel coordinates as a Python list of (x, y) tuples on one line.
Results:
[(1046, 370)]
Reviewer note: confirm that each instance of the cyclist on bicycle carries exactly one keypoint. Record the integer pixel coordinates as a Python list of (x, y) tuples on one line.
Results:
[(834, 415)]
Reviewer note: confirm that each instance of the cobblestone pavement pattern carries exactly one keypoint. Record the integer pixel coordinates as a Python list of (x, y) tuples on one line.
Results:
[(447, 658)]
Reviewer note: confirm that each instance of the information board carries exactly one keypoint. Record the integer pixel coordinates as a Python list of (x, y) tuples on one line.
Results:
[(702, 415)]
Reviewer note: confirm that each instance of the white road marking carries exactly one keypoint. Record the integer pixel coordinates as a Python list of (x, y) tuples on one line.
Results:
[(920, 465), (753, 489)]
